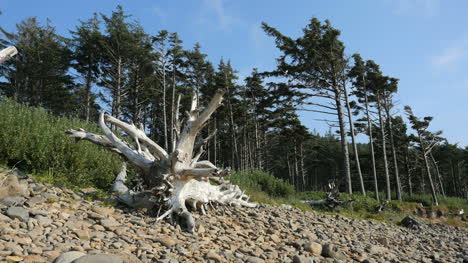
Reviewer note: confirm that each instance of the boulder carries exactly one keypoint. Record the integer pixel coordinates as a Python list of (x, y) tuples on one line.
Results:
[(411, 223), (69, 257), (18, 212), (99, 258)]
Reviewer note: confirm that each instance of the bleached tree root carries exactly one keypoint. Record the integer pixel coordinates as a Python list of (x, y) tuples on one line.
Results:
[(169, 180)]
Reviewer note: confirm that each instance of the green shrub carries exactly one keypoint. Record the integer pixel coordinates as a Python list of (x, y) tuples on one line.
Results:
[(36, 141), (261, 181)]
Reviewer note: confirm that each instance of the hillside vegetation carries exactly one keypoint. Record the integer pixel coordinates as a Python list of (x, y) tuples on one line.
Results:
[(35, 141)]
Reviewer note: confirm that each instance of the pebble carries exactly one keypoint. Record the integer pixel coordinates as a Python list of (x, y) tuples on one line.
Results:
[(262, 234)]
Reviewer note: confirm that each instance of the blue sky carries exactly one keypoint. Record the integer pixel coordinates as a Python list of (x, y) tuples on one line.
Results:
[(424, 43)]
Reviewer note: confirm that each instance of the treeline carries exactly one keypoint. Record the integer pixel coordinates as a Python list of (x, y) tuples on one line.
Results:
[(109, 62)]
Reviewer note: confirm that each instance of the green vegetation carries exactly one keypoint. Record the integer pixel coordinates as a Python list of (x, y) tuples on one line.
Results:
[(258, 181), (264, 188), (35, 140)]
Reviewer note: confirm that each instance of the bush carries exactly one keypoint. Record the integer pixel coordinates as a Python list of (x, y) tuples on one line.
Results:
[(36, 141), (261, 181)]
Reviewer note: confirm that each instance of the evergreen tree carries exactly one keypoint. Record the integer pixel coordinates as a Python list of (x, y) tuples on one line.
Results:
[(86, 58), (426, 140), (39, 74), (315, 67)]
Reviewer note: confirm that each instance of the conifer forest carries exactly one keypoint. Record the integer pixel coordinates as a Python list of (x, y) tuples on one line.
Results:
[(109, 63)]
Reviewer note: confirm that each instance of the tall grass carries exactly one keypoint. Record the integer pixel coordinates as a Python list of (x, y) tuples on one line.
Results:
[(36, 140)]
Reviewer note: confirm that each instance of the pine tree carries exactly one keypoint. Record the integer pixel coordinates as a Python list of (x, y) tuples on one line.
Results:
[(360, 73), (86, 58), (39, 75), (315, 67), (426, 141)]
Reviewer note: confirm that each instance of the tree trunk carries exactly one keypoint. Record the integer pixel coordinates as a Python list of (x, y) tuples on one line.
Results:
[(439, 177), (353, 140), (371, 145), (384, 150), (88, 95), (296, 167), (408, 173), (454, 180), (460, 170), (116, 101), (173, 107), (428, 171), (303, 172), (344, 143), (166, 142), (394, 155)]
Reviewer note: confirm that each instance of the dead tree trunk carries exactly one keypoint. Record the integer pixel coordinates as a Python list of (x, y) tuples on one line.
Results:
[(428, 170), (169, 178), (439, 177)]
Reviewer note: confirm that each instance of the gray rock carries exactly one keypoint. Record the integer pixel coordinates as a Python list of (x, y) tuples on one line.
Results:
[(99, 258), (35, 200), (18, 212), (302, 259), (36, 212), (11, 201), (4, 218), (376, 250), (109, 223), (411, 223), (255, 260), (44, 220), (68, 257), (213, 256), (331, 251), (314, 248), (50, 197)]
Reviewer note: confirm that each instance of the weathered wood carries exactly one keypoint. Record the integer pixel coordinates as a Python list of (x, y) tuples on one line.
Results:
[(7, 53), (332, 201), (169, 179)]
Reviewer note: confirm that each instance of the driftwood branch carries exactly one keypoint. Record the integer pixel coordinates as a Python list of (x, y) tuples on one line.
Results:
[(7, 53), (332, 201)]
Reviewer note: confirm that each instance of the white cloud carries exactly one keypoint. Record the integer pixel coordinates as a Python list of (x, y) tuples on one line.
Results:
[(411, 7), (214, 13), (451, 56)]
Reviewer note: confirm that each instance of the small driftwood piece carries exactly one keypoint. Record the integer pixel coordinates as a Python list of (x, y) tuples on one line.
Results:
[(332, 201), (7, 53)]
